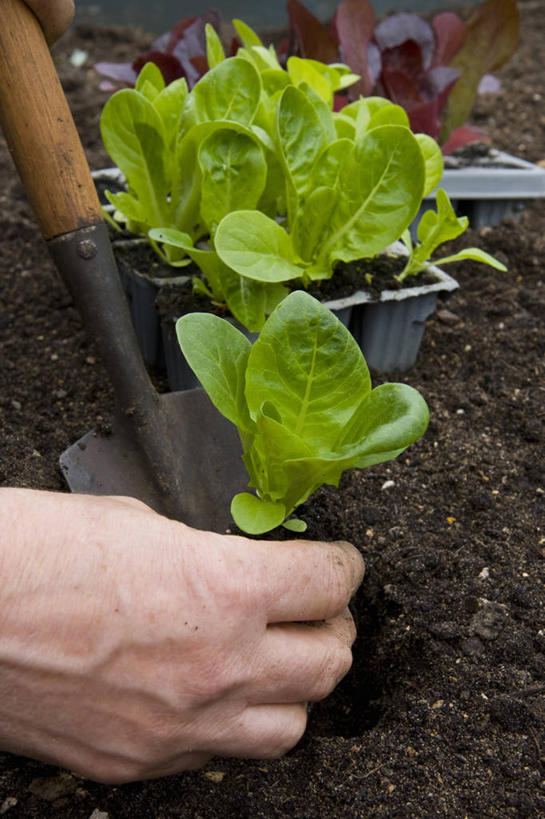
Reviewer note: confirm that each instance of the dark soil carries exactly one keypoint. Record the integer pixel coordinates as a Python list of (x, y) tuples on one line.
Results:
[(443, 713)]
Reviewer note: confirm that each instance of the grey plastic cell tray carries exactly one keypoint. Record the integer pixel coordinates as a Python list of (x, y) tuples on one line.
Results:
[(489, 192), (389, 329), (141, 291)]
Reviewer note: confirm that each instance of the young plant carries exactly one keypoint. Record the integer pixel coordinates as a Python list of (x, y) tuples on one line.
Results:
[(256, 142), (302, 401), (434, 228), (181, 151), (348, 197), (249, 301), (432, 70), (165, 140)]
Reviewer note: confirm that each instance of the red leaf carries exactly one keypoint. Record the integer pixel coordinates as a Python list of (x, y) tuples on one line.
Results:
[(200, 63), (405, 58), (312, 39), (491, 39), (177, 32), (463, 136), (398, 28), (450, 32), (169, 66), (401, 89), (425, 118), (352, 26)]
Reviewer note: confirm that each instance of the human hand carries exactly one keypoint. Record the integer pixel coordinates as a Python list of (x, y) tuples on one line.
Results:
[(133, 646), (54, 15)]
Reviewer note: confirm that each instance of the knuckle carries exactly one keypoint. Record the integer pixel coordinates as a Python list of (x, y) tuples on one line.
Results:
[(287, 737), (343, 579), (335, 665), (350, 566), (218, 678), (344, 663)]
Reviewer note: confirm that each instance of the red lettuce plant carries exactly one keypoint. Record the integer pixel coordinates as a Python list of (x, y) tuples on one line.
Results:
[(180, 52), (433, 70)]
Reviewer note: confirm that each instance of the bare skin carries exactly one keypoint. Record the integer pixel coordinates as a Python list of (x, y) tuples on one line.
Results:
[(54, 15), (134, 647)]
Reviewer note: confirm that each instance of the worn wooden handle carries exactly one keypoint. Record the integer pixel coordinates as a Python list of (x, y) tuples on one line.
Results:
[(39, 128)]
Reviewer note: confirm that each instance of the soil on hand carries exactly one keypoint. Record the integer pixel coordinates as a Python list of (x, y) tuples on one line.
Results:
[(443, 713)]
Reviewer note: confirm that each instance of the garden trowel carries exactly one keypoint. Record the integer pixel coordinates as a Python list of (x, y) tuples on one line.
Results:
[(173, 451)]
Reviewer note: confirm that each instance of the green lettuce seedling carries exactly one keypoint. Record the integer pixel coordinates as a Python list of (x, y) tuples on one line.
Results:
[(302, 401), (435, 228), (348, 197)]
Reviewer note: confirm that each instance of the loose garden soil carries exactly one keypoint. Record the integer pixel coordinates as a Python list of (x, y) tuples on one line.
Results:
[(443, 713)]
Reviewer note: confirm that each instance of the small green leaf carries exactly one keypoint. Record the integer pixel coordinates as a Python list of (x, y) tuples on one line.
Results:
[(249, 301), (169, 104), (345, 127), (380, 193), (274, 80), (388, 419), (476, 255), (436, 228), (150, 81), (311, 229), (255, 516), (186, 181), (301, 138), (234, 174), (304, 345), (295, 525), (133, 134), (305, 71), (257, 247), (433, 161), (200, 288), (128, 205), (230, 91), (247, 35), (214, 49), (388, 115), (217, 353)]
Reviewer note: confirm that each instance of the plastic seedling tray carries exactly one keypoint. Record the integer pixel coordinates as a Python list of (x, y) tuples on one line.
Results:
[(498, 187), (141, 289), (389, 329)]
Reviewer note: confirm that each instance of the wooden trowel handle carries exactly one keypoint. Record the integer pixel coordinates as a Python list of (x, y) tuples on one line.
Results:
[(39, 128)]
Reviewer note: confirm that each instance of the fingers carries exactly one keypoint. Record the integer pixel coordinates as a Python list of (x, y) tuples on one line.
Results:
[(121, 771), (300, 663), (308, 580), (181, 762), (261, 732), (54, 17)]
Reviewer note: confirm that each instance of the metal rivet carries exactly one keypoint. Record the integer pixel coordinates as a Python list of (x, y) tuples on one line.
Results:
[(87, 249)]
